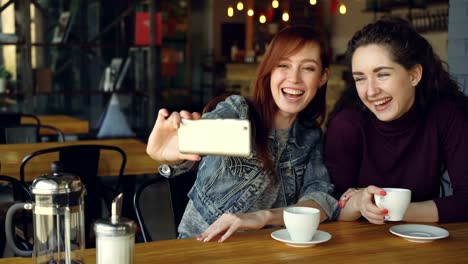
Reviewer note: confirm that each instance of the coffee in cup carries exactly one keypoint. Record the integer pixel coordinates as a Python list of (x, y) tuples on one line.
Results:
[(301, 222), (396, 201)]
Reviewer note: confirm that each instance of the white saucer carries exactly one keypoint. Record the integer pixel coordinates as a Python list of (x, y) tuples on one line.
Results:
[(283, 236), (419, 233)]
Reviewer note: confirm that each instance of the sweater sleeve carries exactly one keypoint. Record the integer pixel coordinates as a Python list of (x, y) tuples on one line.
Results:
[(343, 151), (453, 130)]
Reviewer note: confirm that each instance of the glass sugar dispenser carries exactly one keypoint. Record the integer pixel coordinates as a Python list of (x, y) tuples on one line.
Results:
[(115, 237)]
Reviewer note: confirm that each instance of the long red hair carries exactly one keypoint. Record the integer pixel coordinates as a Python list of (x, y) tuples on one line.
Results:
[(262, 107), (287, 42)]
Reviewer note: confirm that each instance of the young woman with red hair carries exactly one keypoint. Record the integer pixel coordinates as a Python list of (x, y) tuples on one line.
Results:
[(286, 168)]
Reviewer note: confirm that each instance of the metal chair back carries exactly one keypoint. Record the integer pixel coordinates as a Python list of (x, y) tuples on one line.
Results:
[(155, 218), (26, 133)]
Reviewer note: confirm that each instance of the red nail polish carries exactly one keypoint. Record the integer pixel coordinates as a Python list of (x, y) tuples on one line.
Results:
[(340, 204), (383, 192), (385, 211)]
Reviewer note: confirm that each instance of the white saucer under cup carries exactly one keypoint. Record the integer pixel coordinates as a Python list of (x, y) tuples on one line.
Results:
[(419, 233), (283, 236)]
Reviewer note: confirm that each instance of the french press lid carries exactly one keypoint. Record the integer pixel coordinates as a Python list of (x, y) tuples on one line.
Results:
[(57, 182)]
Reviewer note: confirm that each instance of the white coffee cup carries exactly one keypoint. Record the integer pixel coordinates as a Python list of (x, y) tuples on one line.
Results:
[(396, 201), (301, 222)]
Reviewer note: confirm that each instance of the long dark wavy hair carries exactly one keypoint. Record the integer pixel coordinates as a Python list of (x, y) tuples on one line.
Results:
[(262, 106), (407, 48)]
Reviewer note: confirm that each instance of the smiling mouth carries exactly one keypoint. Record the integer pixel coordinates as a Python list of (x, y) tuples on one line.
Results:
[(292, 92), (382, 102)]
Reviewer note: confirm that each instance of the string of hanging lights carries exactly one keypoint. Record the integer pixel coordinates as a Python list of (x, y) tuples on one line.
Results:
[(265, 14)]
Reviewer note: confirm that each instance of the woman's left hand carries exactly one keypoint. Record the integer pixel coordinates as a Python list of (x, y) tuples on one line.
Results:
[(346, 196), (229, 223)]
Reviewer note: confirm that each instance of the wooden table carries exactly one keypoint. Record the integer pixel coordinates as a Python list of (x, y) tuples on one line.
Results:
[(138, 162), (67, 124), (352, 242)]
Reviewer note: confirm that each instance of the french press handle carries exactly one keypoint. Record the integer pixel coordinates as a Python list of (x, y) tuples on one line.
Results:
[(9, 228)]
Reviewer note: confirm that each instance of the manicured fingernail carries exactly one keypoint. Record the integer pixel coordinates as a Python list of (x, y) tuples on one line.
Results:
[(385, 211), (340, 204), (205, 240), (383, 192)]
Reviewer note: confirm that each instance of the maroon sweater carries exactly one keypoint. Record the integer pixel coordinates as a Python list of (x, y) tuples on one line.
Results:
[(408, 153)]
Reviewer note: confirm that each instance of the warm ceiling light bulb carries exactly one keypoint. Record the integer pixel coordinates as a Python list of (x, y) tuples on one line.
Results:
[(285, 16), (230, 11), (250, 12), (262, 19), (342, 9), (240, 6), (313, 2), (275, 3)]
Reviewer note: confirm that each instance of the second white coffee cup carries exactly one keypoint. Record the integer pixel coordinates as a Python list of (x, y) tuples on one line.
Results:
[(301, 222), (396, 201)]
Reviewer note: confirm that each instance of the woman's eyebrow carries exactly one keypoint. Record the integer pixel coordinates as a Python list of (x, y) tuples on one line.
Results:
[(374, 70), (383, 68)]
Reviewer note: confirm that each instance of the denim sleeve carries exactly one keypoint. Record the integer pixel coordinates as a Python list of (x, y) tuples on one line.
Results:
[(317, 186), (178, 169), (234, 106)]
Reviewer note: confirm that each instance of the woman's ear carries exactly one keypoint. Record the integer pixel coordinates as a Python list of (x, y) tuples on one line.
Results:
[(324, 78), (416, 74)]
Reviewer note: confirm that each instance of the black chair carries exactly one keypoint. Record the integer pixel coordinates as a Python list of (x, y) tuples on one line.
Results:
[(83, 160), (9, 118), (10, 191), (153, 217), (26, 133)]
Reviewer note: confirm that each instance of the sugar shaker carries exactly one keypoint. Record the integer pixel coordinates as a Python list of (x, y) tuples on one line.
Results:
[(115, 237)]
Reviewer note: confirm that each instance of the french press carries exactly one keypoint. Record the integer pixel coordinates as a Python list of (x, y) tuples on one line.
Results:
[(58, 217)]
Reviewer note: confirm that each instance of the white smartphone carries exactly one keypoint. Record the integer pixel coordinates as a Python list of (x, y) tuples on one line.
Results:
[(226, 137)]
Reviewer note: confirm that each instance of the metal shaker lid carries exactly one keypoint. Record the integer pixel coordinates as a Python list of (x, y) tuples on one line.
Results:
[(116, 225), (57, 182), (121, 227)]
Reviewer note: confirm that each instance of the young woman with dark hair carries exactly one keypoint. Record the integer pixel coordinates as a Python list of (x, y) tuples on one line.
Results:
[(402, 123)]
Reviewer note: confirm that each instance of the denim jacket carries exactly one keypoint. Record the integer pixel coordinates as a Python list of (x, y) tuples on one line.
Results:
[(233, 184)]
